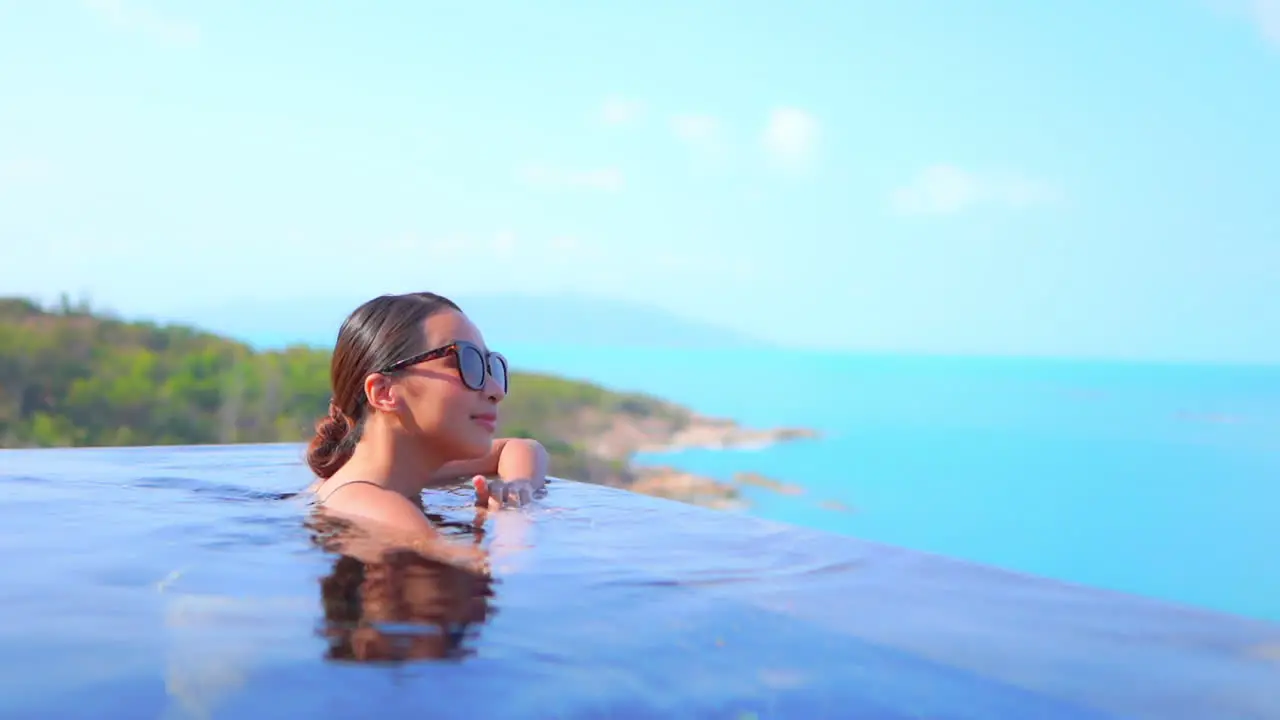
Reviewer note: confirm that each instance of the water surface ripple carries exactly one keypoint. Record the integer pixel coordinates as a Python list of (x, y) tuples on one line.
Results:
[(186, 582)]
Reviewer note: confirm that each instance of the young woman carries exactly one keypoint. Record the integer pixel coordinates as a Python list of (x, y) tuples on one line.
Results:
[(415, 403)]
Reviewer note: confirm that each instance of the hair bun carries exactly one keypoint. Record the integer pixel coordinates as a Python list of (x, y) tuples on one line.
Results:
[(329, 450), (335, 422)]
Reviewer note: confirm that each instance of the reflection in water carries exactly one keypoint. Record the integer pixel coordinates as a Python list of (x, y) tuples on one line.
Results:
[(396, 605)]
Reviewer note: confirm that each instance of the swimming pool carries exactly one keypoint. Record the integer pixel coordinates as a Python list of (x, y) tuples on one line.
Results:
[(184, 582)]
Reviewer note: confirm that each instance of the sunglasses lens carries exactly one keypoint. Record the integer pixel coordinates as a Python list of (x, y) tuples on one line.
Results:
[(498, 368), (471, 366)]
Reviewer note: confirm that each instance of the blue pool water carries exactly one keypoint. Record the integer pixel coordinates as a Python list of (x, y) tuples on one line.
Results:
[(183, 583), (1161, 480)]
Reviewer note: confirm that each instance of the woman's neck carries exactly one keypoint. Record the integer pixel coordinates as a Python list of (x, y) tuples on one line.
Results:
[(392, 459)]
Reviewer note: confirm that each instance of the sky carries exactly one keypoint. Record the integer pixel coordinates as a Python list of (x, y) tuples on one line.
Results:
[(1063, 178)]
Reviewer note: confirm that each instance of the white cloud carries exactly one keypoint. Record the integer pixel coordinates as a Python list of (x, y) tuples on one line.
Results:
[(693, 263), (438, 248), (16, 172), (504, 245), (407, 241), (132, 17), (566, 248), (946, 189), (1266, 15), (603, 179), (704, 137), (563, 243), (618, 110), (698, 130), (791, 138)]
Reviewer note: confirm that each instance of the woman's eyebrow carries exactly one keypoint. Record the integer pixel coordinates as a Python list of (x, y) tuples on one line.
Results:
[(483, 348)]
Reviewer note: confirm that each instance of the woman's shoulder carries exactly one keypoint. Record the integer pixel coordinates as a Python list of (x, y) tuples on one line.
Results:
[(369, 501), (377, 521)]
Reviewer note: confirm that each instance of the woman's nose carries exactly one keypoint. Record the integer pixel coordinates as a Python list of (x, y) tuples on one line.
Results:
[(493, 388)]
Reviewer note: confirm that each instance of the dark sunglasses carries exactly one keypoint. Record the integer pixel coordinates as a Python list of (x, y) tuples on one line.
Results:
[(473, 363)]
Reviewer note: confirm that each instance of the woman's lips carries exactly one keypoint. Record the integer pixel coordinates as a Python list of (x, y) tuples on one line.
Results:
[(488, 422)]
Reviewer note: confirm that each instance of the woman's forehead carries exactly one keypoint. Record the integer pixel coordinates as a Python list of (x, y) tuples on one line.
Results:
[(451, 326)]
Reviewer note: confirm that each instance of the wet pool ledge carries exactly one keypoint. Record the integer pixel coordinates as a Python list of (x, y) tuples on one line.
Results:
[(866, 630), (179, 581)]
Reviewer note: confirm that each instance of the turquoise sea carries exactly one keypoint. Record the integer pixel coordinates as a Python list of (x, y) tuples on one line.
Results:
[(1158, 480)]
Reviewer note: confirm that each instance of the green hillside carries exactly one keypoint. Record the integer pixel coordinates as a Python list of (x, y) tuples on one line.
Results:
[(73, 377)]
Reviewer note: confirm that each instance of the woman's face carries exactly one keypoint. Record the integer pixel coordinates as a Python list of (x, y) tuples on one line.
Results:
[(456, 421)]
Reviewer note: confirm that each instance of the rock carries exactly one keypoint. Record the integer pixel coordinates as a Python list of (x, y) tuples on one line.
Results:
[(686, 487), (768, 483)]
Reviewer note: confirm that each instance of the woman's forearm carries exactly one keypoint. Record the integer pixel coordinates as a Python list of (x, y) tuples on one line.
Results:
[(523, 459), (508, 458)]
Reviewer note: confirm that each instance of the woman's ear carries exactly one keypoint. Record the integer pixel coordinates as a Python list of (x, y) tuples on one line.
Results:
[(381, 392)]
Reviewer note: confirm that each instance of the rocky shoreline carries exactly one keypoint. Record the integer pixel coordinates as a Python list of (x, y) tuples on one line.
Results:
[(674, 484), (622, 437), (594, 434), (723, 434)]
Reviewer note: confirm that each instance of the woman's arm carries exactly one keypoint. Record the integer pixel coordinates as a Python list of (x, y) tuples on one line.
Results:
[(508, 458)]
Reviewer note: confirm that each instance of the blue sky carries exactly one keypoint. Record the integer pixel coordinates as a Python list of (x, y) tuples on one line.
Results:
[(1062, 178)]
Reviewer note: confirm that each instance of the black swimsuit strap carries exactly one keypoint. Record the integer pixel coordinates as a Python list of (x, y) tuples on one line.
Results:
[(349, 482)]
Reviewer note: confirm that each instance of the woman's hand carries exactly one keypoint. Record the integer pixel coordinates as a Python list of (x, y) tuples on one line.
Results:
[(522, 471), (497, 493)]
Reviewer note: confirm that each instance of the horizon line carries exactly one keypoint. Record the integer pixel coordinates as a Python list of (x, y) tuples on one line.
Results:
[(751, 344)]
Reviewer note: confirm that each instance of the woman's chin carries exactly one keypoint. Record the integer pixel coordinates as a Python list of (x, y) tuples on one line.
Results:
[(475, 445)]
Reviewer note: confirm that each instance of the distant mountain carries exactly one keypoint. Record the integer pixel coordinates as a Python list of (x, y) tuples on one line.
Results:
[(505, 319)]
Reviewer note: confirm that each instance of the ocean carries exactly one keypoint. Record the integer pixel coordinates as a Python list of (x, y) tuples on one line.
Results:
[(1157, 480)]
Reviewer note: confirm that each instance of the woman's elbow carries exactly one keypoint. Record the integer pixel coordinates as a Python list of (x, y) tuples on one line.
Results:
[(523, 458)]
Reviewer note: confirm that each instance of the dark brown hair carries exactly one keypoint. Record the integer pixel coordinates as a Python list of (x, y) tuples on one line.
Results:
[(405, 606), (380, 332)]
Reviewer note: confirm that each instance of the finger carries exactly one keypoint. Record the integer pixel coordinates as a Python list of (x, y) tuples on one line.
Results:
[(518, 492), (498, 490), (482, 490)]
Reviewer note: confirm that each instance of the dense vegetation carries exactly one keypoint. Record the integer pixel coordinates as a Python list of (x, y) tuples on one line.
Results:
[(73, 377)]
